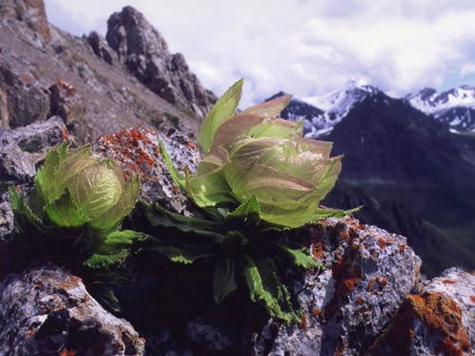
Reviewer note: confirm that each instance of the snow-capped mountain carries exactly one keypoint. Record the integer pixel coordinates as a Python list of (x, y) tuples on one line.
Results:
[(321, 113), (455, 107)]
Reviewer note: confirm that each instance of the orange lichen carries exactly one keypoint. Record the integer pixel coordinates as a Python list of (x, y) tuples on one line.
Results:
[(402, 248), (441, 316), (448, 281), (382, 243), (316, 313), (318, 250), (359, 301), (472, 298), (67, 352), (303, 323)]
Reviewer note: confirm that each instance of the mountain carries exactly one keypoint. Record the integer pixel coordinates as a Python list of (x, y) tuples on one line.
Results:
[(321, 113), (411, 174), (97, 85), (455, 108)]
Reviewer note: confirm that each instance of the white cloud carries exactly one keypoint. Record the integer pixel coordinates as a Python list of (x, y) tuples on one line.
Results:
[(305, 47)]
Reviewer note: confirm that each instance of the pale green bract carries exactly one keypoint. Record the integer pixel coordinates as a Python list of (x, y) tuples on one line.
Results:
[(77, 188), (255, 154)]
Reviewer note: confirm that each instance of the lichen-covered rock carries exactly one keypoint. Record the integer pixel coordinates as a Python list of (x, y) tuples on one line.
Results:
[(48, 311), (145, 53), (368, 272), (137, 151), (440, 321)]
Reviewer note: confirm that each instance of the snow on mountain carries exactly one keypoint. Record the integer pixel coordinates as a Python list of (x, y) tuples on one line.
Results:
[(321, 113), (430, 101), (454, 107)]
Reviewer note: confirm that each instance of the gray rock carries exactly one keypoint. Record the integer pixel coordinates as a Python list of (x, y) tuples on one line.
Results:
[(439, 321), (31, 12), (145, 53), (100, 47), (22, 148), (48, 311), (137, 151), (367, 274), (22, 99), (36, 138)]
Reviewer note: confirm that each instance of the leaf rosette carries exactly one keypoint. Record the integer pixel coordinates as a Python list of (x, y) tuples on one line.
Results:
[(76, 189)]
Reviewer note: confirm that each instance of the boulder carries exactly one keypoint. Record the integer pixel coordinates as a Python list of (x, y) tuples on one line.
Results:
[(46, 310), (439, 321), (367, 274)]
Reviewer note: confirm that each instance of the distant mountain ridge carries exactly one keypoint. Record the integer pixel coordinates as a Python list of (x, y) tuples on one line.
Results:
[(409, 171), (454, 108)]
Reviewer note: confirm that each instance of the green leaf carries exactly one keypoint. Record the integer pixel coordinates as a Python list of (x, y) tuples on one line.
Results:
[(207, 187), (224, 280), (248, 208), (113, 217), (183, 253), (97, 261), (300, 257), (124, 238), (265, 288), (223, 110), (177, 178), (20, 207), (161, 217), (45, 179), (326, 213), (65, 213)]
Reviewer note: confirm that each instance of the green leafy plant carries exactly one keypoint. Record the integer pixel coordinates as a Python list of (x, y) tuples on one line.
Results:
[(82, 196), (258, 176)]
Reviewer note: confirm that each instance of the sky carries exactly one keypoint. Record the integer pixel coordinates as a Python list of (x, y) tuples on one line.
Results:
[(303, 47)]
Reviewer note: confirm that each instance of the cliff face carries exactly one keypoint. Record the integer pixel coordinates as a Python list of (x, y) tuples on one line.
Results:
[(369, 297)]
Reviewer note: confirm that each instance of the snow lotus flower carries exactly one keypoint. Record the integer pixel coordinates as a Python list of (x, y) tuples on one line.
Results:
[(253, 155), (77, 188)]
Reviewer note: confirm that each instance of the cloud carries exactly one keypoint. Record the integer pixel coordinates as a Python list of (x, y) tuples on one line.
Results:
[(305, 47)]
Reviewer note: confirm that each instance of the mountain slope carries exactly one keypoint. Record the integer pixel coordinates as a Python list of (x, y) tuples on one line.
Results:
[(91, 85)]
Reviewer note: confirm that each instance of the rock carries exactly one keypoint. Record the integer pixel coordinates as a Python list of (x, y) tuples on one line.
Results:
[(145, 53), (100, 47), (368, 272), (22, 148), (441, 320), (46, 310), (22, 99), (67, 103), (36, 138), (31, 12), (137, 151)]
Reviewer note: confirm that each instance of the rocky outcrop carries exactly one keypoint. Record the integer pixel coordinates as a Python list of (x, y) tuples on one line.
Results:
[(48, 311), (145, 53), (368, 290), (137, 151), (440, 320), (100, 47), (367, 274)]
